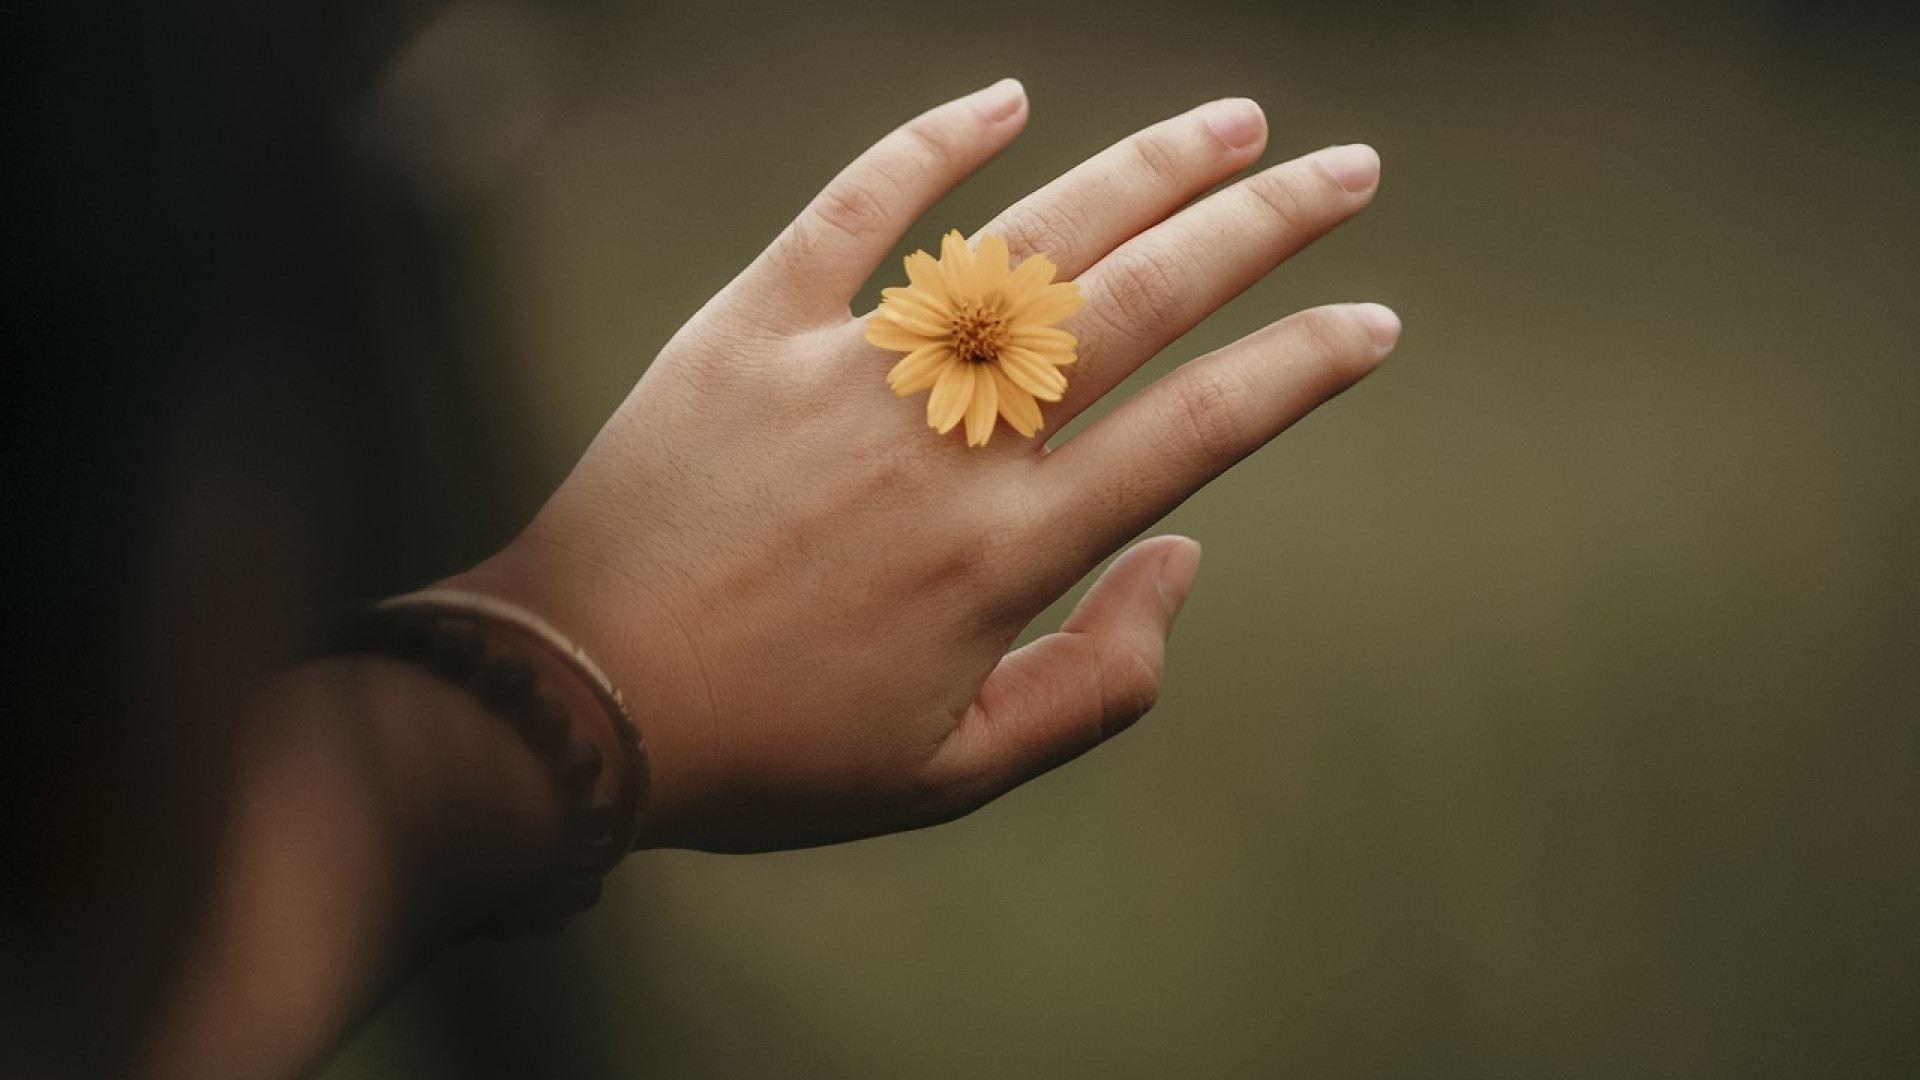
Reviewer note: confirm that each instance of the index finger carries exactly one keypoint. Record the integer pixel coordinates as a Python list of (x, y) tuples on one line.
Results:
[(839, 239)]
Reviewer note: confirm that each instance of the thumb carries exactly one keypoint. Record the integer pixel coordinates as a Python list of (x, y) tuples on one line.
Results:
[(1060, 696)]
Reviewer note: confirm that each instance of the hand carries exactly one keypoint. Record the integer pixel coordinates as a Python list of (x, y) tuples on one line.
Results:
[(808, 595)]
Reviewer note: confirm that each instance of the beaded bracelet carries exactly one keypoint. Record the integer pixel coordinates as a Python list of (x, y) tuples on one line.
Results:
[(521, 668)]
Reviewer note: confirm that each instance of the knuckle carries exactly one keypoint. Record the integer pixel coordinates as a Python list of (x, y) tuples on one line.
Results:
[(936, 144), (1043, 227), (1280, 197), (1146, 281), (973, 557), (860, 204), (1130, 685), (1159, 157), (1329, 337), (851, 206), (1209, 416)]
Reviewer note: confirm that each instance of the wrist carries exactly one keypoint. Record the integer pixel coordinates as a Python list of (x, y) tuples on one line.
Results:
[(634, 640), (550, 696)]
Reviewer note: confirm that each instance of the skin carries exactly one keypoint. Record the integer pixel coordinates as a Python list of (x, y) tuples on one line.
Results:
[(811, 596), (808, 596)]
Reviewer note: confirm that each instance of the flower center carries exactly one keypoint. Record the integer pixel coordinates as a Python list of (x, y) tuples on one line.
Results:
[(978, 334)]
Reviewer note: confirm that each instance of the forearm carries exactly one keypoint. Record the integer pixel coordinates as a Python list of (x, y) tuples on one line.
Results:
[(378, 814)]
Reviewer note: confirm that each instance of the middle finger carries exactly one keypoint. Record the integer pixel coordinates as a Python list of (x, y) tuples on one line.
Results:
[(1160, 284)]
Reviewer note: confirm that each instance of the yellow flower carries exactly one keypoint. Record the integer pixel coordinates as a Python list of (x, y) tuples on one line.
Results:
[(979, 335)]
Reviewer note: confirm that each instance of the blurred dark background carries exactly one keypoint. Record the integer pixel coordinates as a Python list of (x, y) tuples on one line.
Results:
[(1548, 706)]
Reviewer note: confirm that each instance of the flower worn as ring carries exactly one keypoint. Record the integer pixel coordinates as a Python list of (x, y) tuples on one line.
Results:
[(979, 335)]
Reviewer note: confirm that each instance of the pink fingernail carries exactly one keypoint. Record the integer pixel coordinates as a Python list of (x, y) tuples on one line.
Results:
[(1237, 121), (999, 101), (1355, 167)]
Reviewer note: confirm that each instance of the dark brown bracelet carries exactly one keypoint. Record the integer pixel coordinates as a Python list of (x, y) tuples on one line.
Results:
[(519, 667)]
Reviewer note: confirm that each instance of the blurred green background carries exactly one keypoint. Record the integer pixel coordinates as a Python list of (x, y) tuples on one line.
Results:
[(1548, 706)]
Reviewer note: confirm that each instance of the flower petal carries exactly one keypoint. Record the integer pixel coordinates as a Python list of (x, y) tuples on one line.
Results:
[(1032, 275), (990, 267), (1050, 342), (924, 272), (1016, 405), (1031, 373), (915, 311), (920, 368), (984, 410), (1021, 351), (956, 268), (885, 332), (950, 397), (1047, 306), (917, 298)]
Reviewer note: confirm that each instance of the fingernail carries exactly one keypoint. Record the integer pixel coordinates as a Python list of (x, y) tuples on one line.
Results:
[(1237, 121), (1178, 568), (1381, 323), (1355, 167), (999, 101)]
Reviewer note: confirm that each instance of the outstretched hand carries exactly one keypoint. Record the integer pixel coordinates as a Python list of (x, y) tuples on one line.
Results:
[(809, 596)]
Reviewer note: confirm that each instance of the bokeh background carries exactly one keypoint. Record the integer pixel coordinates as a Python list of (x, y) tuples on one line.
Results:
[(1548, 706)]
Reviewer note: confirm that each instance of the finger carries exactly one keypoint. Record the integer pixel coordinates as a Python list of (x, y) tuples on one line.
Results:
[(1140, 461), (1077, 219), (1160, 284), (1058, 697), (811, 271)]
